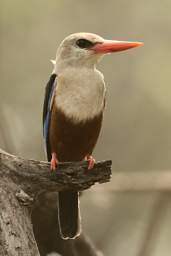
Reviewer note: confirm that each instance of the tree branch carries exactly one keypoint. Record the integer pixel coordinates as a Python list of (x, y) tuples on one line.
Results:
[(35, 176), (21, 182)]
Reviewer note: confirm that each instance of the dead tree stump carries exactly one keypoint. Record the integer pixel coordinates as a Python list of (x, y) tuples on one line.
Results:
[(23, 184)]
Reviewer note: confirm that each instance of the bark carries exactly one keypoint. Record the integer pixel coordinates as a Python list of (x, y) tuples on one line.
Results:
[(35, 176), (28, 194), (16, 234)]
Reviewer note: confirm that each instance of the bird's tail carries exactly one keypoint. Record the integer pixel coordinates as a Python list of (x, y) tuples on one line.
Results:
[(69, 214)]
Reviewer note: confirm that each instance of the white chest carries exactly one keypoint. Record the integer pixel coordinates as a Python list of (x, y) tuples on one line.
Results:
[(80, 94)]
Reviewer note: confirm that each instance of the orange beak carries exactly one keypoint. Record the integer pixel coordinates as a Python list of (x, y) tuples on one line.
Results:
[(114, 46)]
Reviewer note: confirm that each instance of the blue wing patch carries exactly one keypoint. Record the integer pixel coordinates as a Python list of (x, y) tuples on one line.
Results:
[(49, 92)]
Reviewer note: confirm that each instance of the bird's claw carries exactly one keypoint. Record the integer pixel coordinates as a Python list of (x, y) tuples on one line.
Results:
[(91, 161), (53, 162)]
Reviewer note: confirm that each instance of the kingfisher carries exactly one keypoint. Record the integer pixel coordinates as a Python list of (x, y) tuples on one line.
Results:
[(73, 112)]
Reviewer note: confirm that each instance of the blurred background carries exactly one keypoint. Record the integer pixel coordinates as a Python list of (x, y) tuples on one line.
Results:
[(137, 123)]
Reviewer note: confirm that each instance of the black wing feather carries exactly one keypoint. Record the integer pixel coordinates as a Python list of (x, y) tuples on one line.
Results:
[(46, 112)]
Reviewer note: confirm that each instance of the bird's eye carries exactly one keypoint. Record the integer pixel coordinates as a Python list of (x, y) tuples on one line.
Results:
[(84, 43)]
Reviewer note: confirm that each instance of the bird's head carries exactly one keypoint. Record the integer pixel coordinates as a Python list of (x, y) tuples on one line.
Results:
[(85, 49)]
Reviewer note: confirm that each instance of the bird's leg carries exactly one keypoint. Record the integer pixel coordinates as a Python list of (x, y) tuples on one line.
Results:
[(54, 161), (91, 161)]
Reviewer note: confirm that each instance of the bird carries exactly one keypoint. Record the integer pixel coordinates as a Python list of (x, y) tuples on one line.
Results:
[(73, 109)]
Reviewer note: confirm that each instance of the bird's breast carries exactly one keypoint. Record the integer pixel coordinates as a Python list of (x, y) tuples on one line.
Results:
[(80, 94)]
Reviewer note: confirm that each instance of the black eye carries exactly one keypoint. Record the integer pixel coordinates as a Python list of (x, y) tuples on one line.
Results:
[(84, 43)]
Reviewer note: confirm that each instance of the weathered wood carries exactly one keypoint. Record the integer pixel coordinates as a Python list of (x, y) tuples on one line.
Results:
[(35, 176), (16, 234), (22, 182)]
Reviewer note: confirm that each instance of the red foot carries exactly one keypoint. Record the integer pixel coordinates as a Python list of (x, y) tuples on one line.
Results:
[(91, 161), (53, 162)]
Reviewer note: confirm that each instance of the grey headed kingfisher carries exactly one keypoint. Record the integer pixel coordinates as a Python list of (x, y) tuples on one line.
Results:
[(73, 111)]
